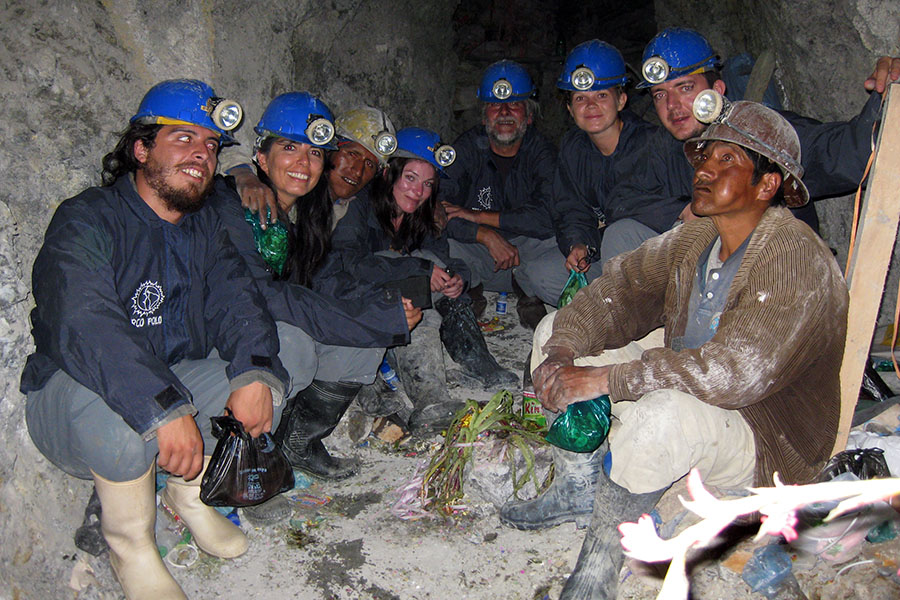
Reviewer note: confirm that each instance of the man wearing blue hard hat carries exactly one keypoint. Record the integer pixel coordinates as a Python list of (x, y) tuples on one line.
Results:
[(498, 196), (146, 324), (678, 64)]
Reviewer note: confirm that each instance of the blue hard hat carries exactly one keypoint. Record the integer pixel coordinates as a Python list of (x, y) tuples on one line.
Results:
[(505, 81), (298, 116), (424, 144), (592, 66), (189, 101), (676, 52)]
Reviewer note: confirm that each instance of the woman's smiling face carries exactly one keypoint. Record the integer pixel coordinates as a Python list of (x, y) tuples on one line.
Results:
[(414, 185), (294, 168)]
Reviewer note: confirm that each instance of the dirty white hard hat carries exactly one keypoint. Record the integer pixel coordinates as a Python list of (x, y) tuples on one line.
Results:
[(755, 127), (371, 128)]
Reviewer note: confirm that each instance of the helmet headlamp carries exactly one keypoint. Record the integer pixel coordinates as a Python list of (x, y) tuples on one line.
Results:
[(319, 130), (445, 155), (709, 105), (385, 143), (502, 89), (582, 78), (655, 70), (226, 114)]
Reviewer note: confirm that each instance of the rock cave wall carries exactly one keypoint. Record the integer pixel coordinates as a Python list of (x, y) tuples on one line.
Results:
[(73, 73)]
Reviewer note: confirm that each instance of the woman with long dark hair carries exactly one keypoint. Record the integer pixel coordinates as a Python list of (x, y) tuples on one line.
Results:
[(391, 235), (341, 341)]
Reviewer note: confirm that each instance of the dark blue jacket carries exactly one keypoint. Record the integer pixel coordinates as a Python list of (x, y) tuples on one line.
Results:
[(585, 178), (523, 198), (374, 318), (359, 235), (121, 295), (833, 156)]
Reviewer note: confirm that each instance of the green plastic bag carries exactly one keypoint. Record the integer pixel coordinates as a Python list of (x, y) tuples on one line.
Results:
[(576, 282), (271, 242), (583, 427)]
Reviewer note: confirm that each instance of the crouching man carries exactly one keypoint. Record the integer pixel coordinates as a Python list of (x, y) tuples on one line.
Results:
[(754, 310), (146, 324)]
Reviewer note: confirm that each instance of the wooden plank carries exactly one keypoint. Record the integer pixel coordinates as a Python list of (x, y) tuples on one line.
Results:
[(871, 258)]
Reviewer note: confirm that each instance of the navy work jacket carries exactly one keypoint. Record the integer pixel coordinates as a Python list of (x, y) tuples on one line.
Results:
[(523, 198), (360, 317), (585, 178), (121, 295), (358, 236)]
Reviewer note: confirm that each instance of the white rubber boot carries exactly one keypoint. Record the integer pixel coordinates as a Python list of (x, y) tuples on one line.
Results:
[(127, 522), (213, 532)]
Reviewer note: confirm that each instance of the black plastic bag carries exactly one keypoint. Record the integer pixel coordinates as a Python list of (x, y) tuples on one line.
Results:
[(865, 463), (243, 470), (583, 427)]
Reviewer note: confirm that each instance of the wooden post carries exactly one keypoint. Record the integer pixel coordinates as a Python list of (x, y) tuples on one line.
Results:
[(875, 241)]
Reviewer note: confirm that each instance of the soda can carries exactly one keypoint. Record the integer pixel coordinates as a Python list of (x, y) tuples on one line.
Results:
[(531, 408)]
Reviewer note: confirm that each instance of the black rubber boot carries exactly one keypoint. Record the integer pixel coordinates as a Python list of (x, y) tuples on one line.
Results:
[(479, 302), (465, 344), (88, 537), (596, 573), (569, 498), (420, 365), (530, 309), (310, 417), (377, 399)]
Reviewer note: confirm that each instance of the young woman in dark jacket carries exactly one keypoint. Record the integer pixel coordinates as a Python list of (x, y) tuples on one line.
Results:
[(391, 235)]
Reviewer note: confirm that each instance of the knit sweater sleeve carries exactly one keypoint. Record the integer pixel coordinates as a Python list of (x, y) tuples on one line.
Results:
[(786, 304)]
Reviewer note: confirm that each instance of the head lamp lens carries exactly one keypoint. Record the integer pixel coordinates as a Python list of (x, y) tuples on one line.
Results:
[(582, 78), (445, 155), (385, 143), (708, 106), (655, 70), (226, 114), (502, 89), (320, 130)]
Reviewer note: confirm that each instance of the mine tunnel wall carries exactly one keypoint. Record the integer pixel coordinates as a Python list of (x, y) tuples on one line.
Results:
[(74, 73)]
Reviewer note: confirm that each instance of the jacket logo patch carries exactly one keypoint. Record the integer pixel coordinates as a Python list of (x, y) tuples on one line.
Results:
[(485, 200), (147, 299)]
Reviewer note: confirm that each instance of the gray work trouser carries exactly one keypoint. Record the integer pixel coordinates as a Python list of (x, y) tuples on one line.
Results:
[(79, 433), (541, 271), (621, 237)]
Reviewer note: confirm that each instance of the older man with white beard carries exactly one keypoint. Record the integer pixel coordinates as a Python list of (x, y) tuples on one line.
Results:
[(499, 192)]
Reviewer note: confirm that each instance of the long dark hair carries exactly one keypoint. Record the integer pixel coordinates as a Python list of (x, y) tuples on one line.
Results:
[(121, 160), (415, 226), (309, 238)]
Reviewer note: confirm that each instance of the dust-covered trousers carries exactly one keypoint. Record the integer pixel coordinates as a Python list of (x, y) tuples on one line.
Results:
[(78, 432), (541, 271), (657, 439)]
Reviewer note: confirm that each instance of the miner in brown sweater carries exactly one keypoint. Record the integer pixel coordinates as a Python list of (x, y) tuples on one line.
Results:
[(754, 311)]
